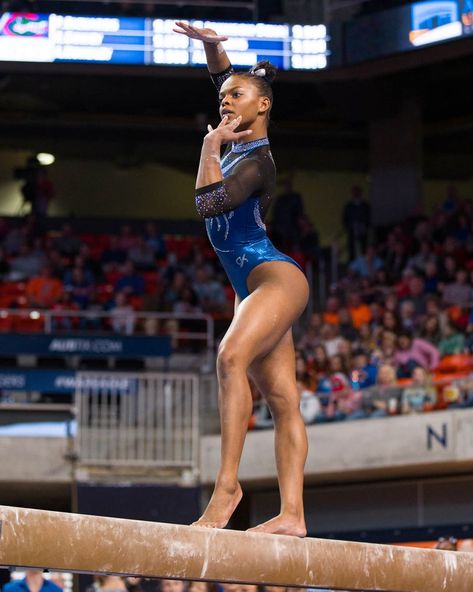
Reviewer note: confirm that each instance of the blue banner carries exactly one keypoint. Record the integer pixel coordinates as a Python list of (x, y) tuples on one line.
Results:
[(120, 346), (64, 381)]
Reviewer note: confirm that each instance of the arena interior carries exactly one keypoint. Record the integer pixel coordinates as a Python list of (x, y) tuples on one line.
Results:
[(113, 303)]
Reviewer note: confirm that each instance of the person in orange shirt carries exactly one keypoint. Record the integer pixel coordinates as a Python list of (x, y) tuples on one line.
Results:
[(360, 312), (331, 315), (44, 290)]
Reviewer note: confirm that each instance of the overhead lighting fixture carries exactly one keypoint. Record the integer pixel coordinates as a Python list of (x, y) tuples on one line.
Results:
[(45, 158)]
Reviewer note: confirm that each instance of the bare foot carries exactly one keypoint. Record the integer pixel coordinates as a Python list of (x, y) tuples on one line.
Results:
[(221, 506), (281, 524)]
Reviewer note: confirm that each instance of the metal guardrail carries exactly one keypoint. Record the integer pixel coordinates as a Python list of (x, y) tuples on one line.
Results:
[(147, 323), (145, 420)]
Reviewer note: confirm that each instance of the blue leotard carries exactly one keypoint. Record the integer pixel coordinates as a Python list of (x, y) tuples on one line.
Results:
[(234, 213)]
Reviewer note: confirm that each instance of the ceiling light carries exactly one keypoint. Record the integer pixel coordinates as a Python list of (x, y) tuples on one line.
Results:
[(45, 158)]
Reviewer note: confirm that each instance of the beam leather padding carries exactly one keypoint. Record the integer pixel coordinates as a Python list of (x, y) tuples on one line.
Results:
[(92, 544)]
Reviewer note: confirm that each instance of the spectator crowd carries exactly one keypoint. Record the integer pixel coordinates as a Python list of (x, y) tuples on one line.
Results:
[(119, 274), (395, 334)]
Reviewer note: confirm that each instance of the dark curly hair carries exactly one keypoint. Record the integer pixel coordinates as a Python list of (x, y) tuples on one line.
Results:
[(263, 83)]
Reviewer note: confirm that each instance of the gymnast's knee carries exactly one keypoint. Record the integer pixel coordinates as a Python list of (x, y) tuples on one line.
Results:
[(230, 358), (283, 403)]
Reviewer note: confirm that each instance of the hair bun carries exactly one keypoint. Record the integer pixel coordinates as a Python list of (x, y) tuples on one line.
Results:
[(264, 69)]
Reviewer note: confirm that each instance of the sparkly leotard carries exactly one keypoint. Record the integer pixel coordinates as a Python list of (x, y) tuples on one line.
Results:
[(234, 210)]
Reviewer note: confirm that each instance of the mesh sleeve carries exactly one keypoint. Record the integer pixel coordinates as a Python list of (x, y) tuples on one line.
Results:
[(219, 78), (249, 177)]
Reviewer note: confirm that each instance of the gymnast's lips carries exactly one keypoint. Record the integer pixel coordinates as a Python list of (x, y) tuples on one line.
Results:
[(226, 112)]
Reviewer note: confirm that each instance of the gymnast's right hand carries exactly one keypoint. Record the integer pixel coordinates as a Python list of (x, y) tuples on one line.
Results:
[(226, 132), (205, 35)]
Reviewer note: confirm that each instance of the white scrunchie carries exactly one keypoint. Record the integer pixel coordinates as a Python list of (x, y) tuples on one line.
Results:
[(260, 72)]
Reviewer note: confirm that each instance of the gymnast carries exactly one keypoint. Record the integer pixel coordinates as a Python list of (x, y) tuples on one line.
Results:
[(233, 194)]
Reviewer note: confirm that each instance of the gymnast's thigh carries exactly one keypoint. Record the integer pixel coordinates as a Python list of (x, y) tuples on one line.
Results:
[(264, 317)]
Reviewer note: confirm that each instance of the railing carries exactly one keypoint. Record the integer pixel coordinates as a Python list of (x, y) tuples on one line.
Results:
[(177, 326), (143, 419)]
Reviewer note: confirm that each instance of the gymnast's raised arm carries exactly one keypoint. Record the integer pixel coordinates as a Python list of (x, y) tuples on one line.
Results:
[(218, 63)]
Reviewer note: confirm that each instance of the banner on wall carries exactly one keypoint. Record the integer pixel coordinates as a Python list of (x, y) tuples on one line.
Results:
[(64, 381), (122, 346)]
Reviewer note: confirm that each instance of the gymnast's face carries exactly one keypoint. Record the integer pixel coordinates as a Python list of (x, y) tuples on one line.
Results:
[(240, 96)]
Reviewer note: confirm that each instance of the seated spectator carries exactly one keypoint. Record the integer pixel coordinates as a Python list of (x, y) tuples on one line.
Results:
[(126, 240), (197, 260), (210, 293), (384, 397), (141, 254), (172, 586), (366, 339), (122, 315), (386, 351), (396, 259), (431, 330), (423, 257), (155, 241), (79, 263), (67, 243), (33, 581), (417, 295), (177, 283), (360, 312), (61, 322), (310, 406), (80, 288), (346, 328), (368, 264), (57, 262), (320, 362), (431, 278), (420, 395), (459, 292), (414, 352), (338, 368), (187, 301), (347, 402), (449, 270), (89, 263), (311, 337), (377, 313), (364, 373), (43, 290), (330, 338), (130, 282), (331, 312), (26, 264), (452, 342), (113, 256), (407, 314), (391, 322), (345, 348)]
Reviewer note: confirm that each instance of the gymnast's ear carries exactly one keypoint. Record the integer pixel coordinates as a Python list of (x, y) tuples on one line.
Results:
[(264, 105)]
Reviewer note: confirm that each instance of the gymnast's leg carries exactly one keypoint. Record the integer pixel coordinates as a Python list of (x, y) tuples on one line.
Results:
[(275, 377), (278, 296)]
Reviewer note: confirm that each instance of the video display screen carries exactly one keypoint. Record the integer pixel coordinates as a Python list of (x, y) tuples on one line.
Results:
[(406, 28), (51, 38)]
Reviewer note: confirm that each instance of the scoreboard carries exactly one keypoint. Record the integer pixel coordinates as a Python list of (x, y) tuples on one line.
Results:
[(52, 38)]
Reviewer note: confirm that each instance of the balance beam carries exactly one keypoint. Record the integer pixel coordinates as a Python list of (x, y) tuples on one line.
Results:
[(92, 544)]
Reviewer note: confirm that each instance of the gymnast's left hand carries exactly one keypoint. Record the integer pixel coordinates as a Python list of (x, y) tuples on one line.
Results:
[(226, 130)]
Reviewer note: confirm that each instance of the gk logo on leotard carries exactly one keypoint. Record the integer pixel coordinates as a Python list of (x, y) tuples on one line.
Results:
[(240, 261)]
